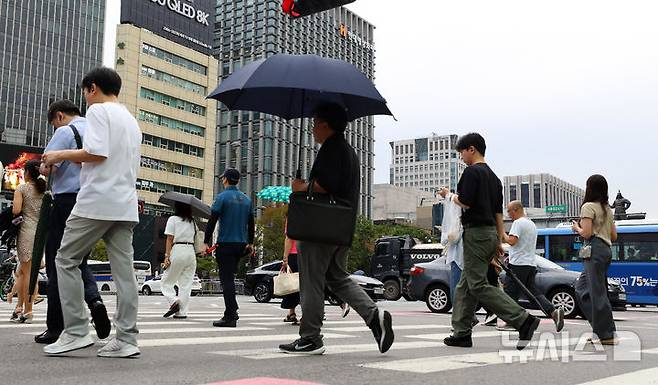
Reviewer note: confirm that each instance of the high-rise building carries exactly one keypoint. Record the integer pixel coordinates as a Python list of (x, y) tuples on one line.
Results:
[(426, 163), (47, 46), (265, 148), (165, 83), (537, 191)]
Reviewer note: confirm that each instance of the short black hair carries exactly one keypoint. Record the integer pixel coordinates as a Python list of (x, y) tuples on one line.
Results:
[(332, 113), (472, 139), (64, 106), (107, 79)]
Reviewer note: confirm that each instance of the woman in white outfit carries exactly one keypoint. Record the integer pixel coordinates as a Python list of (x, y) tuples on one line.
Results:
[(180, 260)]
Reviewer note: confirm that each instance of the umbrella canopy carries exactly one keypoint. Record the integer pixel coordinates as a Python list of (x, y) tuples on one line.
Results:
[(276, 193), (291, 86), (199, 209)]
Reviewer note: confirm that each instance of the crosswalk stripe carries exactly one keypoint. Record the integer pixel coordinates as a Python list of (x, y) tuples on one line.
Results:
[(650, 351), (263, 354), (644, 377), (185, 330), (442, 336), (227, 340), (395, 327), (280, 322)]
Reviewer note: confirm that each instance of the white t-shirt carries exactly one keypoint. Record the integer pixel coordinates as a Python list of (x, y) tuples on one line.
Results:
[(107, 188), (523, 253), (182, 230)]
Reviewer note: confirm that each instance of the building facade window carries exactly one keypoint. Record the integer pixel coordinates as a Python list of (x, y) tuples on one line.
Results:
[(171, 101), (525, 195), (171, 145), (175, 168), (161, 188), (164, 121), (174, 59), (173, 80)]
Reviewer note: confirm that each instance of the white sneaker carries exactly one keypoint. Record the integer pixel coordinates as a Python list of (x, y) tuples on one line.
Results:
[(68, 343), (505, 328), (118, 349)]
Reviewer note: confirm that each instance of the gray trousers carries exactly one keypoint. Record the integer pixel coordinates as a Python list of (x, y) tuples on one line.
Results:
[(321, 265), (80, 236), (592, 290)]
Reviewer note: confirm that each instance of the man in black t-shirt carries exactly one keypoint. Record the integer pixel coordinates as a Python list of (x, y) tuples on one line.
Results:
[(335, 171), (480, 194)]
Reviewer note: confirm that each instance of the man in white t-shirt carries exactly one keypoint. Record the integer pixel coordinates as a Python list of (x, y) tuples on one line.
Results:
[(106, 208), (522, 239)]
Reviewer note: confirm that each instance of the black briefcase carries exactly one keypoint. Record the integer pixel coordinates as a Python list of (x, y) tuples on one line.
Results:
[(320, 218)]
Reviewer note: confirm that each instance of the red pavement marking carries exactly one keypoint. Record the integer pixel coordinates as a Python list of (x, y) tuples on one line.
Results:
[(264, 381)]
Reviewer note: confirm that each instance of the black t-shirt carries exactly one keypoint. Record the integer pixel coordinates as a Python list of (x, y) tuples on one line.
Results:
[(336, 169), (480, 189)]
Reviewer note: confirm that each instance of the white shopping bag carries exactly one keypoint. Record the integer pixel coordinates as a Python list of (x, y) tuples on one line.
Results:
[(286, 283)]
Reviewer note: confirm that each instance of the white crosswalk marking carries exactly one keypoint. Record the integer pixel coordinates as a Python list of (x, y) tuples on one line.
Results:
[(644, 377), (262, 354), (397, 327), (231, 339)]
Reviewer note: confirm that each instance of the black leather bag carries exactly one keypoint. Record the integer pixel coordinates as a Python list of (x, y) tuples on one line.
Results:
[(320, 218)]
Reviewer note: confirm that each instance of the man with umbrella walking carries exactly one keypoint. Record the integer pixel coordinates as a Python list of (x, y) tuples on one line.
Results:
[(234, 211), (69, 129), (336, 172)]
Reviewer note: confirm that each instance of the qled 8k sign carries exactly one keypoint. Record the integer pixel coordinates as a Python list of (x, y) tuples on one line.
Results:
[(186, 22)]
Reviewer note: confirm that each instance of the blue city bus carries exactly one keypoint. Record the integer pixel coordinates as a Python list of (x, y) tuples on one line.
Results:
[(634, 257)]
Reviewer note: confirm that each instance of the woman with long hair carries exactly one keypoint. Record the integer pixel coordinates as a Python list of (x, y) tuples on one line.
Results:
[(180, 260), (597, 227), (27, 202)]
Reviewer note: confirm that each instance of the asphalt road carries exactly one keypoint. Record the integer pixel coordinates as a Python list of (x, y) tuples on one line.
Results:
[(193, 352)]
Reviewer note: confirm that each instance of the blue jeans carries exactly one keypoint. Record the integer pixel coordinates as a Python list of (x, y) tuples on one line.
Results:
[(455, 275)]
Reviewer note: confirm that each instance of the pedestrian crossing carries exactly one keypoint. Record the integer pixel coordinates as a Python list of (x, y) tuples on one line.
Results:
[(418, 347)]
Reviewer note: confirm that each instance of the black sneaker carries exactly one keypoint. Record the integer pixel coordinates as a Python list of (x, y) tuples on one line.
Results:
[(460, 342), (100, 320), (491, 320), (526, 331), (46, 338), (225, 323), (474, 322), (173, 309), (382, 328), (303, 346)]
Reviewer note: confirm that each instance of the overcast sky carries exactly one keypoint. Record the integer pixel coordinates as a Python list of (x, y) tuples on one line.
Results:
[(568, 88)]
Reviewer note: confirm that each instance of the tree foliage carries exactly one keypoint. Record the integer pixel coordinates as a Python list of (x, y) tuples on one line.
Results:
[(99, 252), (271, 228)]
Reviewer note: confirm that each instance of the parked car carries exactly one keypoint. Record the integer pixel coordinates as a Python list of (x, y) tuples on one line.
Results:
[(260, 283), (430, 282), (154, 286)]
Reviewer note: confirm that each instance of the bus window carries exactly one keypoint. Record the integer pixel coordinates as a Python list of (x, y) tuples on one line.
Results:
[(540, 249), (641, 247), (564, 248)]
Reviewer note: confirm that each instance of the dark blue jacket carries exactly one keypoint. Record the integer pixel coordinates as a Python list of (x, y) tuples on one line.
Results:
[(234, 211)]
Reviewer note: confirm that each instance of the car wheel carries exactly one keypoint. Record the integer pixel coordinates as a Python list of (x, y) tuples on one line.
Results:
[(146, 290), (566, 299), (392, 290), (437, 299), (105, 287), (262, 292)]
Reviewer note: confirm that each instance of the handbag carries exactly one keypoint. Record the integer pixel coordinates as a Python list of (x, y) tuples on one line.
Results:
[(585, 251), (198, 241), (320, 218), (286, 283)]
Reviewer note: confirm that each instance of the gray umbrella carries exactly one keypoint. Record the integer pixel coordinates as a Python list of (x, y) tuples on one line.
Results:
[(199, 209)]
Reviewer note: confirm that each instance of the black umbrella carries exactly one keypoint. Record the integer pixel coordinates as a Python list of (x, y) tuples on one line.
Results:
[(291, 86), (199, 209)]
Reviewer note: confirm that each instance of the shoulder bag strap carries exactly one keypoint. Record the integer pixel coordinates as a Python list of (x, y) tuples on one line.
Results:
[(76, 135)]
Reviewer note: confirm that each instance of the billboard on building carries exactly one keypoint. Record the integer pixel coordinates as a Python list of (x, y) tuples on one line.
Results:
[(186, 22)]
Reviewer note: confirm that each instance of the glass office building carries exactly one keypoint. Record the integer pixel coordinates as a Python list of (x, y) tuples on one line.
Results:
[(265, 148), (47, 46)]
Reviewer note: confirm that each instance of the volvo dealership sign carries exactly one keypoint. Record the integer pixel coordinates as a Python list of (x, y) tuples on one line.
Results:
[(186, 22)]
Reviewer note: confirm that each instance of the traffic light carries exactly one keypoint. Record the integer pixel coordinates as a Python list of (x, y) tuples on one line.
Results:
[(301, 8)]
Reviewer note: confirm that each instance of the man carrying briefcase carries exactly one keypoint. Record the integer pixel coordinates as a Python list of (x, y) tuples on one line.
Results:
[(335, 172)]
